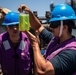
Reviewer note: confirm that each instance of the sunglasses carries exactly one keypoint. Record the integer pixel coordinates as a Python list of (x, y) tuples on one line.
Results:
[(54, 24), (12, 26)]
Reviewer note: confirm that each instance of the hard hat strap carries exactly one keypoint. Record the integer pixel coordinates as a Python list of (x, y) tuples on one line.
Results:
[(61, 28)]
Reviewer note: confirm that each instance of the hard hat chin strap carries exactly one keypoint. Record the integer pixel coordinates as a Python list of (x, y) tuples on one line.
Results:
[(61, 28)]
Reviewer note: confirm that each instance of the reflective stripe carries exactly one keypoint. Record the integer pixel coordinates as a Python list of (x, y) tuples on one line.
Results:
[(71, 45), (6, 45), (22, 45)]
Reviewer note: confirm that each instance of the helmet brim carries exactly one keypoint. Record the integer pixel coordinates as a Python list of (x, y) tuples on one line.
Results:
[(7, 24), (62, 18)]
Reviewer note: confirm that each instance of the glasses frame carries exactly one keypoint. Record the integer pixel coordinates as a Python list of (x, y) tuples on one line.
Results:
[(54, 24), (12, 26)]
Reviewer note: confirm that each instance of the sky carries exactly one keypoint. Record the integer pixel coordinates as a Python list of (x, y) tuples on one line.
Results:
[(41, 6)]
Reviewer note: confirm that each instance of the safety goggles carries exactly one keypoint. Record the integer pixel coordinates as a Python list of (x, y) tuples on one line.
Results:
[(54, 24), (12, 26)]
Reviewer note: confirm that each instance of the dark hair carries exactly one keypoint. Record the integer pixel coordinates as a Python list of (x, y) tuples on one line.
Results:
[(70, 24)]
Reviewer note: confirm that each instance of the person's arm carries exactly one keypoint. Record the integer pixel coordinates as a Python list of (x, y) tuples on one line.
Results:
[(42, 66), (36, 25), (46, 35)]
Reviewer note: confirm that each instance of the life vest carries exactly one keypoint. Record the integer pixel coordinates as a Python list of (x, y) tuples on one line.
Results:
[(53, 47), (15, 62)]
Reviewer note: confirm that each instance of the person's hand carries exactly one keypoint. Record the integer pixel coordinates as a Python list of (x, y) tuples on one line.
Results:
[(33, 39), (34, 21), (23, 7)]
